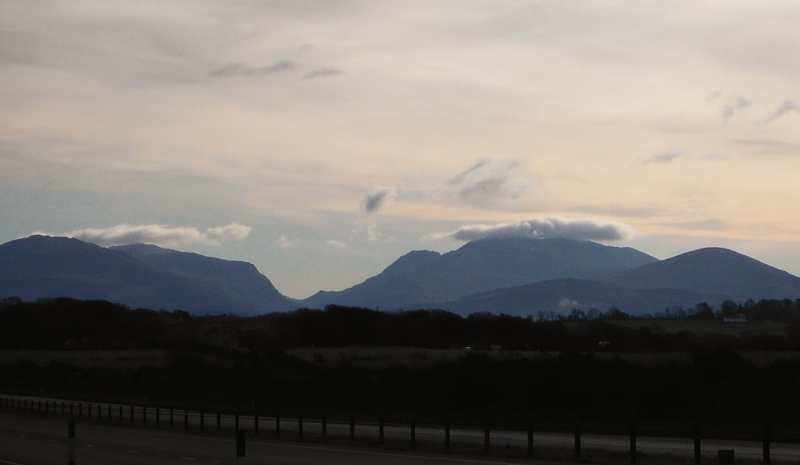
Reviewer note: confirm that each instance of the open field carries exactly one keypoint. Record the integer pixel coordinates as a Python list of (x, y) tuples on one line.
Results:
[(124, 360), (702, 327)]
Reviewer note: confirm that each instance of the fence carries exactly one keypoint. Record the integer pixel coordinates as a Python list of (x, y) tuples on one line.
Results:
[(444, 435)]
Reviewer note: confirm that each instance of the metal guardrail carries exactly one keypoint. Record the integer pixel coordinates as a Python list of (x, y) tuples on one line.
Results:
[(446, 433)]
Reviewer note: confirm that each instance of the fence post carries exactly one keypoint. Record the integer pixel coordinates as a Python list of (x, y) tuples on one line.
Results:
[(80, 410), (486, 444), (171, 419), (766, 444), (109, 413), (158, 417), (697, 457), (71, 410), (219, 423), (726, 457), (202, 420), (447, 434), (186, 418), (62, 408), (131, 414), (530, 438), (380, 429), (240, 442), (71, 437), (577, 440), (89, 410), (120, 414), (633, 443), (236, 421), (277, 425), (413, 432), (300, 427), (39, 408), (352, 428), (144, 415), (255, 421), (324, 427)]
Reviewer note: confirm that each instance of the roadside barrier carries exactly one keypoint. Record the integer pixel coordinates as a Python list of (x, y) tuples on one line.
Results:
[(319, 428)]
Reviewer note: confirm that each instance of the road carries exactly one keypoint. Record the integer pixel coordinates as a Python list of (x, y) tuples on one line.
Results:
[(105, 432), (33, 440)]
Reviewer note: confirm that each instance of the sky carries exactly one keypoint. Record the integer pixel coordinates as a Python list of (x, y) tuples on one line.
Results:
[(322, 140)]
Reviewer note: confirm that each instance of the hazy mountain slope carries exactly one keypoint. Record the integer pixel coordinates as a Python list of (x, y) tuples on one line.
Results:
[(563, 295), (240, 281), (713, 270), (483, 265), (41, 266)]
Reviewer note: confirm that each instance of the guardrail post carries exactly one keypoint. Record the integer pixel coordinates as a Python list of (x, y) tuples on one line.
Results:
[(171, 418), (62, 408), (71, 410), (766, 444), (202, 420), (324, 427), (255, 422), (131, 414), (186, 418), (486, 444), (447, 434), (633, 443), (413, 432), (236, 421), (380, 429), (300, 427), (697, 456), (39, 407), (120, 414), (71, 438), (352, 428), (530, 438), (277, 425), (89, 410), (158, 417), (577, 440), (80, 410), (109, 413), (144, 415), (240, 442), (219, 422)]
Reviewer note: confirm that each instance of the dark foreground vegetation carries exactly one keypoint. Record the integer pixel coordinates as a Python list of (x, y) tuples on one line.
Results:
[(232, 363)]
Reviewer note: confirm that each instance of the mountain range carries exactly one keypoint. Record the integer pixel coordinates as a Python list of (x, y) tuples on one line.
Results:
[(517, 276)]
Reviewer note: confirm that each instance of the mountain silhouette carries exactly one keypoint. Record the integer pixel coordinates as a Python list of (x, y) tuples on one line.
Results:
[(137, 276), (482, 265)]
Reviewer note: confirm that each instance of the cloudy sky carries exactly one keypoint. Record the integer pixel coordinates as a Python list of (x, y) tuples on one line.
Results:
[(321, 140)]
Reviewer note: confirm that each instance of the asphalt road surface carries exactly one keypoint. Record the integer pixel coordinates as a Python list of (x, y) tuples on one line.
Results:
[(30, 440), (40, 436)]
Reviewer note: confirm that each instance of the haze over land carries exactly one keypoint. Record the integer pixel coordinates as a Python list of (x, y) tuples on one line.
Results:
[(323, 140)]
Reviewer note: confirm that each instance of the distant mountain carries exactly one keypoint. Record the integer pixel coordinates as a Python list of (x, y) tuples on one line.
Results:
[(564, 295), (711, 275), (479, 266), (713, 270), (136, 276)]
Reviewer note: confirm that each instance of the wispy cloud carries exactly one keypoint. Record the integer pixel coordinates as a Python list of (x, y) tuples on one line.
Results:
[(334, 244), (239, 69), (285, 243), (786, 107), (158, 234), (380, 197), (322, 72), (738, 103), (542, 228), (486, 180), (663, 157)]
